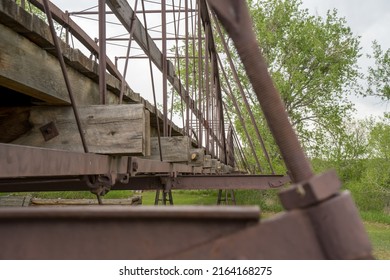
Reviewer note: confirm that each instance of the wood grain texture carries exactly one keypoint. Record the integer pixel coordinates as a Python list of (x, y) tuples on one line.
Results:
[(108, 129), (174, 149)]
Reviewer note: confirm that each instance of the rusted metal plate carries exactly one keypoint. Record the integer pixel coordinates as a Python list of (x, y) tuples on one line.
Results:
[(49, 131), (21, 161), (148, 182), (109, 232), (329, 230), (231, 182), (287, 236), (340, 229), (313, 191)]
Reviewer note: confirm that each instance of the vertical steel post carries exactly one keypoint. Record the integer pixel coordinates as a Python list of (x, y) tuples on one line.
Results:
[(241, 90), (230, 94), (207, 87), (164, 67), (235, 17), (152, 81), (200, 75), (193, 88), (123, 82), (187, 69), (66, 28), (65, 74), (102, 52), (212, 104)]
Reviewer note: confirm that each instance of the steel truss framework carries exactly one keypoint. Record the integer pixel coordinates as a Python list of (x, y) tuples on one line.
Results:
[(202, 119), (320, 222)]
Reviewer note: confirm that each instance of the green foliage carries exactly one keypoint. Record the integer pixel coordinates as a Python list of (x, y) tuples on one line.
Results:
[(368, 177), (379, 74), (313, 62), (32, 9), (380, 139), (268, 200)]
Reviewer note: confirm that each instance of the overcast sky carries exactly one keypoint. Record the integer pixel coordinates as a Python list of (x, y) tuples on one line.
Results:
[(369, 19)]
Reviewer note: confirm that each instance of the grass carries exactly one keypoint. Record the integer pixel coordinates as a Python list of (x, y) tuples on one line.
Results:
[(379, 234), (184, 197)]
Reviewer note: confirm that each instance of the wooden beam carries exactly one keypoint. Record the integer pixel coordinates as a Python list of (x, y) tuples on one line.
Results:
[(77, 32), (37, 33), (174, 149), (119, 129), (28, 69)]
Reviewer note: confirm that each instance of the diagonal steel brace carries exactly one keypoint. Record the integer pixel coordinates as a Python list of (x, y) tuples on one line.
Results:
[(317, 194)]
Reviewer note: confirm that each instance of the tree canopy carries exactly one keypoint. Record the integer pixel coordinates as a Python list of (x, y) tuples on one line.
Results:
[(379, 74), (313, 62)]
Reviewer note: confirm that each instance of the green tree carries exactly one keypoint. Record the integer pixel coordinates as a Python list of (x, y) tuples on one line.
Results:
[(313, 62), (379, 75), (375, 179)]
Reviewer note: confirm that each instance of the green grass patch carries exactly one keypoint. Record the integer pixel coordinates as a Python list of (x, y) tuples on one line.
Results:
[(380, 239), (376, 217), (184, 197)]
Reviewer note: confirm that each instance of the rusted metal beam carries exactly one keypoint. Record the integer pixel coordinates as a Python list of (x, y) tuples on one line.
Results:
[(111, 232), (38, 169), (21, 161), (102, 52), (65, 74), (137, 11), (147, 182), (235, 17), (155, 38), (325, 231), (227, 182)]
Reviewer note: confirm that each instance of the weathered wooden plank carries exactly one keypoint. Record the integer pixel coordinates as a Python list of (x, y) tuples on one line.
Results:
[(147, 133), (174, 149), (77, 32), (135, 200), (14, 201), (37, 31), (28, 69), (108, 129), (23, 69)]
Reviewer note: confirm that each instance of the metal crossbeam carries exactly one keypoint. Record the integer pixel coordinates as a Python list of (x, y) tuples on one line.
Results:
[(37, 169)]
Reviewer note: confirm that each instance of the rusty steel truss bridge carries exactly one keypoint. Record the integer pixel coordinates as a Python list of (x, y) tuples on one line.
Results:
[(70, 120)]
